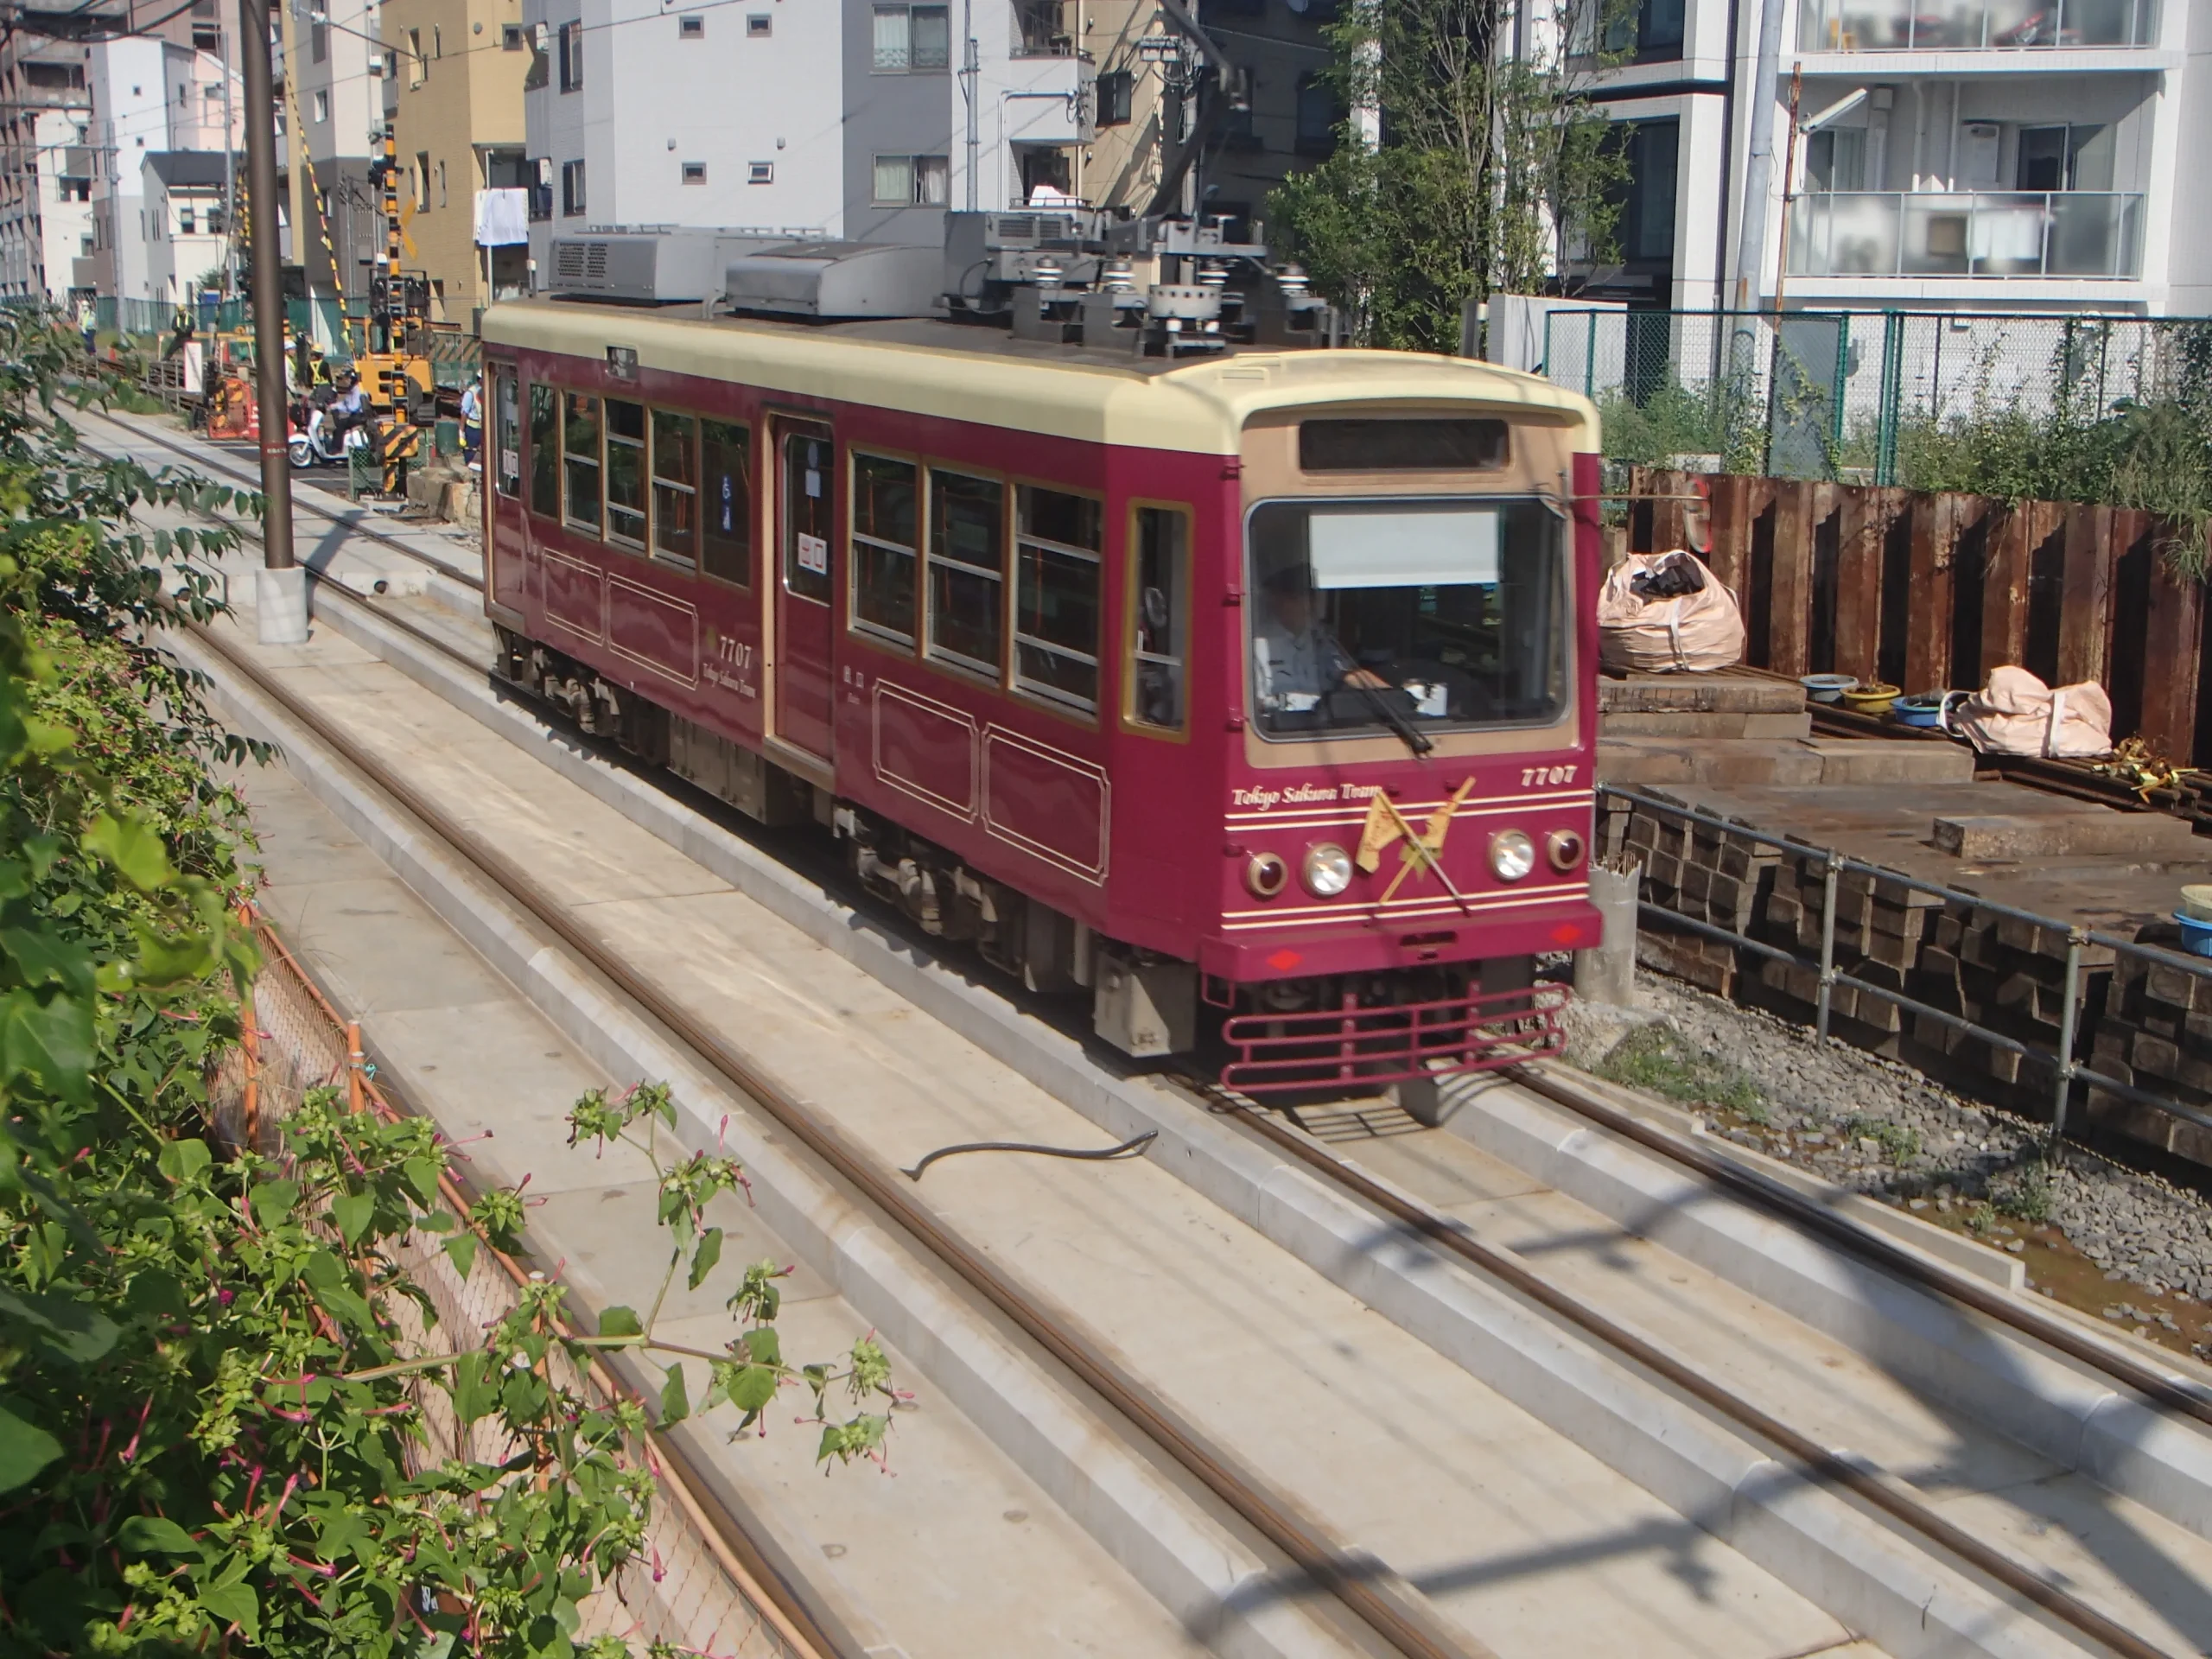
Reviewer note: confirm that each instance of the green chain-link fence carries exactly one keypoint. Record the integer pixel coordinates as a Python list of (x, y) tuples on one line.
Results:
[(1826, 393)]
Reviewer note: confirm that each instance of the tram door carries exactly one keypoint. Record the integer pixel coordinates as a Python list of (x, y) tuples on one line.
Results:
[(805, 585)]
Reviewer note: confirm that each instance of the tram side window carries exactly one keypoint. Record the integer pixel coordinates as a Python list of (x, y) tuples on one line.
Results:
[(885, 536), (675, 487), (966, 578), (625, 472), (1159, 556), (545, 451), (580, 461), (506, 435), (726, 515), (1058, 541)]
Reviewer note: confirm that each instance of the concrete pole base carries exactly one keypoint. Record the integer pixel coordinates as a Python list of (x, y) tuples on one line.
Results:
[(279, 601), (1607, 975)]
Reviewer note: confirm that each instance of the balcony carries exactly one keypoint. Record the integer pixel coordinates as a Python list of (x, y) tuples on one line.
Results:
[(2074, 234), (1974, 25)]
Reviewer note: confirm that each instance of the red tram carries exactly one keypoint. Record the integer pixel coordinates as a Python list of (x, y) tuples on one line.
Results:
[(1250, 688)]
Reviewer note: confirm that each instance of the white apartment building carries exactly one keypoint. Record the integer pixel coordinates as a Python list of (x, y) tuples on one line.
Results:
[(47, 227), (839, 121), (182, 222), (151, 95), (2012, 156)]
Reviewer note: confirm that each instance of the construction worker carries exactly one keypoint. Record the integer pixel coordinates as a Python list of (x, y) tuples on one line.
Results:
[(472, 424)]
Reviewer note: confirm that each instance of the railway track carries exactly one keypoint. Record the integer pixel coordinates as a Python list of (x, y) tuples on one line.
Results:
[(1394, 1610), (1367, 1587), (1884, 1492)]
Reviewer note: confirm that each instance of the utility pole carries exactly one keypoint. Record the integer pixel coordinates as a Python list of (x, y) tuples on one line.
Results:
[(280, 587), (230, 176), (1758, 162)]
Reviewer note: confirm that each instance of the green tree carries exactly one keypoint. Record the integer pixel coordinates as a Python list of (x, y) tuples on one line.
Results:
[(212, 1362), (1493, 172)]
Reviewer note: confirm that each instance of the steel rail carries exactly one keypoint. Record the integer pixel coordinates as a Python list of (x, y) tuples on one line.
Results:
[(199, 456), (1875, 1487), (1370, 1589), (2170, 1391)]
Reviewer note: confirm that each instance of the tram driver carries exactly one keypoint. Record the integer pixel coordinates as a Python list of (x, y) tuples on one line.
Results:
[(1296, 660)]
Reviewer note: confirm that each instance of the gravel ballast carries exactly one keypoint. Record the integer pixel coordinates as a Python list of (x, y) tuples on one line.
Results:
[(1877, 1127)]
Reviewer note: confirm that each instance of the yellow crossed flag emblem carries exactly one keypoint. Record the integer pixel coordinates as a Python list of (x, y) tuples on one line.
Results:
[(1386, 824)]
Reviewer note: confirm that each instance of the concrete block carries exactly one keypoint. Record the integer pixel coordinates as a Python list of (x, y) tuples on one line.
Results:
[(1863, 760)]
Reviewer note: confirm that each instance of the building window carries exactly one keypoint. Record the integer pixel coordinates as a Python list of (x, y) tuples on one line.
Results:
[(437, 41), (421, 179), (1117, 89), (417, 70), (967, 571), (675, 487), (319, 42), (1318, 117), (322, 106), (207, 37), (1650, 29), (2065, 158), (545, 451), (511, 38), (910, 181), (580, 457), (1160, 572), (694, 172), (726, 513), (507, 436), (571, 54), (625, 472), (759, 25), (572, 189), (441, 184), (909, 38), (691, 29), (886, 520), (1646, 220), (1058, 539), (1041, 28), (760, 172), (187, 221)]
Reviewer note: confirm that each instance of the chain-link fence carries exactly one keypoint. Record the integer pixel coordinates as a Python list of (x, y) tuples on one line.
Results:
[(687, 1588), (1818, 394)]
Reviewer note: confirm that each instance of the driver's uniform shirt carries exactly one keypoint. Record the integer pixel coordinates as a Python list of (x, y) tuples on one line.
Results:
[(1284, 664)]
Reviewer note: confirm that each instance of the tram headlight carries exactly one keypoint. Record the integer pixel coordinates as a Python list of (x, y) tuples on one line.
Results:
[(1328, 870), (1512, 854), (1265, 874)]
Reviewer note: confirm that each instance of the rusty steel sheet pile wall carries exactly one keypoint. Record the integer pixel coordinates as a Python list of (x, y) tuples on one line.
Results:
[(685, 1589), (1930, 592)]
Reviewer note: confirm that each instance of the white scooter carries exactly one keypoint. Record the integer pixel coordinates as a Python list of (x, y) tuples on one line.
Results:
[(315, 447)]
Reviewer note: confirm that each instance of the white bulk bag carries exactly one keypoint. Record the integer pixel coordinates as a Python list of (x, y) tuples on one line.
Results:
[(2017, 713), (1691, 633)]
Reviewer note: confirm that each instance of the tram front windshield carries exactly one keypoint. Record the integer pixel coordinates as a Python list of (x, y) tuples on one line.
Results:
[(1405, 616)]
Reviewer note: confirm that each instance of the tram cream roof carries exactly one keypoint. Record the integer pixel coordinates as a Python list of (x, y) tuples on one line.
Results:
[(959, 371)]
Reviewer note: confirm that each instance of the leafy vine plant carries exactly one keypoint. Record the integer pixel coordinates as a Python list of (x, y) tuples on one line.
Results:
[(230, 1422)]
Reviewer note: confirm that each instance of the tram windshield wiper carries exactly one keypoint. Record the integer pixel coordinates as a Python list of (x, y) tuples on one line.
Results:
[(1390, 716)]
